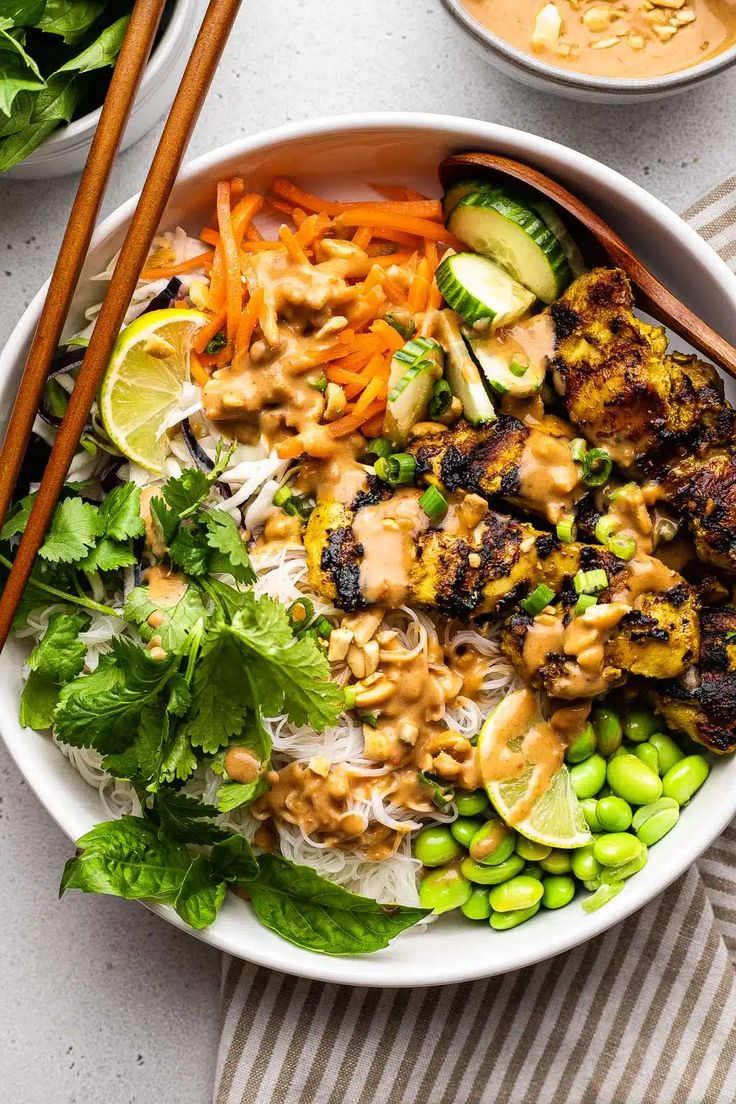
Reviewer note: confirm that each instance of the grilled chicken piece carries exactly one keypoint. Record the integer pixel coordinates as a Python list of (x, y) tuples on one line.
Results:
[(381, 550), (528, 466), (703, 702), (661, 416), (644, 622)]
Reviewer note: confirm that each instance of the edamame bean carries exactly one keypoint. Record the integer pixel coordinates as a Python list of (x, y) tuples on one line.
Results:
[(477, 906), (493, 843), (521, 892), (588, 777), (668, 751), (533, 870), (583, 747), (504, 921), (464, 828), (471, 803), (614, 814), (530, 850), (633, 780), (590, 806), (653, 822), (608, 731), (444, 889), (585, 866), (685, 777), (621, 873), (492, 875), (559, 891), (435, 846), (648, 754), (639, 725), (616, 849), (557, 862)]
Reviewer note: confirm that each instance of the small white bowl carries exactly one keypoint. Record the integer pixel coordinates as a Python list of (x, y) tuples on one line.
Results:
[(538, 74), (337, 157), (65, 151)]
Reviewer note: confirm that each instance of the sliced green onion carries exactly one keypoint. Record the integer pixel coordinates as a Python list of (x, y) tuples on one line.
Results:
[(350, 697), (282, 496), (605, 528), (297, 506), (597, 467), (665, 529), (578, 448), (538, 600), (300, 613), (590, 582), (622, 546), (216, 344), (518, 369), (369, 719), (379, 446), (319, 384), (397, 469), (584, 602), (434, 504), (415, 352), (441, 400), (566, 530), (498, 387), (322, 627), (406, 329)]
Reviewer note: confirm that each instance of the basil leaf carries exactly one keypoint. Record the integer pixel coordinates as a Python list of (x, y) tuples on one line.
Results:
[(314, 914), (200, 897), (65, 18), (234, 861), (100, 53), (187, 820), (126, 858)]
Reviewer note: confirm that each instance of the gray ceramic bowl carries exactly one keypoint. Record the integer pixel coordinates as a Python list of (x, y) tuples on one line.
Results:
[(548, 78)]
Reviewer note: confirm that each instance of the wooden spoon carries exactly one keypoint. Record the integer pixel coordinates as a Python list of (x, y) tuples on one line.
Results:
[(602, 245)]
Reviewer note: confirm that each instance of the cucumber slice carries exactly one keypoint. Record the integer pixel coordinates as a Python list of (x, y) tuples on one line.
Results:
[(414, 369), (517, 378), (481, 291), (552, 220), (462, 372), (458, 191), (502, 225)]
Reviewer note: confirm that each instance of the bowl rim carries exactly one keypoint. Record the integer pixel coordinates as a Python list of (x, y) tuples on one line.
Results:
[(79, 129), (625, 86), (377, 970)]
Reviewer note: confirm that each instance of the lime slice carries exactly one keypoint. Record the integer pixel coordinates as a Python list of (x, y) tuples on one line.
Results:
[(148, 368), (504, 745)]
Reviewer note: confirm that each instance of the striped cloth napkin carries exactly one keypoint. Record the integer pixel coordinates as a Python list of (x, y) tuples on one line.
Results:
[(645, 1014)]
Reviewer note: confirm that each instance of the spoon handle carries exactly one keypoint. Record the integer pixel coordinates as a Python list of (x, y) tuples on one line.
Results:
[(651, 295)]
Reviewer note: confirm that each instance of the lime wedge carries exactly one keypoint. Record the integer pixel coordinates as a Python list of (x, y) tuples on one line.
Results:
[(148, 368), (555, 817)]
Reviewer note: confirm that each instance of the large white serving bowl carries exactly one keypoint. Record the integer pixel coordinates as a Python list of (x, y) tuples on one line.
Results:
[(336, 156)]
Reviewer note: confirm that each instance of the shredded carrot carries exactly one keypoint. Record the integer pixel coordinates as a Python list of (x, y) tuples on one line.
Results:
[(419, 290), (216, 360), (353, 421), (176, 269), (237, 187), (430, 252), (340, 375), (290, 448), (263, 246), (292, 193), (398, 237), (374, 426), (217, 281), (376, 388), (205, 335), (253, 234), (396, 191), (298, 216), (244, 213), (248, 320), (233, 275), (362, 237), (198, 373), (207, 234), (385, 260), (394, 341), (312, 228), (434, 299), (293, 247), (279, 205), (423, 228)]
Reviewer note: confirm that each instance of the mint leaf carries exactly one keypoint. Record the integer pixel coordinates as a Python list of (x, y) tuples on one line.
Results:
[(53, 105), (200, 896), (224, 537), (101, 53), (231, 795), (178, 760), (187, 820), (120, 513), (38, 701), (56, 659), (18, 71), (179, 618), (234, 861), (73, 530), (127, 858), (311, 912), (24, 13)]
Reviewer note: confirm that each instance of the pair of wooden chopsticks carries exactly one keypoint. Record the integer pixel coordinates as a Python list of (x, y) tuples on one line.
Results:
[(195, 83)]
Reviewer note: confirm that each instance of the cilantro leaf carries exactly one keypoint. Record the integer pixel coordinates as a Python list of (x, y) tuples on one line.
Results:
[(56, 659), (179, 618), (120, 513), (17, 519), (189, 550), (74, 529), (127, 858), (200, 896), (311, 912), (186, 820), (224, 537), (108, 555), (220, 694), (231, 795)]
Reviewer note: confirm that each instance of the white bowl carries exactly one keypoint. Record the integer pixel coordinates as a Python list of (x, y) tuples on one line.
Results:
[(65, 151), (336, 156), (531, 70)]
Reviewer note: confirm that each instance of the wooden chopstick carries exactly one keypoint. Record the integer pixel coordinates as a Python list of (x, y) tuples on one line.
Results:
[(198, 75), (121, 94)]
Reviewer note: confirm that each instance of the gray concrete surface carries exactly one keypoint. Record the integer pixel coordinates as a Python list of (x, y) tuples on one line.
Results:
[(101, 1002)]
